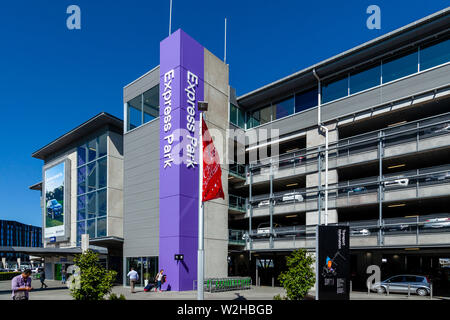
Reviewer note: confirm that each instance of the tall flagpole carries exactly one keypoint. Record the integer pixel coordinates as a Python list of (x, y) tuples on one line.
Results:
[(201, 252)]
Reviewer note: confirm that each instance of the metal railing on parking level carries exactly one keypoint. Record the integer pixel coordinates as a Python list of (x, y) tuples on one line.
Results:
[(415, 226), (414, 179), (236, 203), (414, 131), (236, 237), (225, 284), (237, 170)]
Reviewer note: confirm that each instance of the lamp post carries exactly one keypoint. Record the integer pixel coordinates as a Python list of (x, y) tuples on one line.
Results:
[(202, 106)]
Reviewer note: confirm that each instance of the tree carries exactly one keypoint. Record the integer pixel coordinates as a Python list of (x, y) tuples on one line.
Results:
[(95, 281), (299, 277)]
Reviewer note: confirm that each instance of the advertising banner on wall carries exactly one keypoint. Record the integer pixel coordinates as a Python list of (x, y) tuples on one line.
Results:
[(333, 264), (54, 201)]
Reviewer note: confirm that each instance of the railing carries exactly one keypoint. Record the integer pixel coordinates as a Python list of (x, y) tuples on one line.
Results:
[(415, 226), (413, 179), (236, 203), (237, 170), (411, 132), (225, 284), (236, 237)]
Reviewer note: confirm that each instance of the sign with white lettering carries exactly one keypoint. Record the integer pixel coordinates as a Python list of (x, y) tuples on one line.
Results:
[(181, 87)]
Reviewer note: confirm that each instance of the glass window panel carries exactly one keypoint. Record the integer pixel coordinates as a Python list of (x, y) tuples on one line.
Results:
[(92, 150), (91, 177), (365, 79), (101, 227), (265, 114), (434, 55), (400, 66), (81, 180), (134, 112), (233, 114), (241, 118), (81, 229), (284, 108), (81, 155), (91, 228), (151, 104), (102, 145), (91, 205), (253, 119), (102, 203), (102, 173), (335, 90), (305, 100), (81, 208)]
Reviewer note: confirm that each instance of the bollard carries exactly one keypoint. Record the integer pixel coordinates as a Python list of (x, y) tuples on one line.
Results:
[(387, 291), (273, 282), (368, 288), (351, 286), (409, 290)]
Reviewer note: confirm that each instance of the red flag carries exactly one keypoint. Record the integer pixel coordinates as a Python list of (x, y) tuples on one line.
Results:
[(212, 173)]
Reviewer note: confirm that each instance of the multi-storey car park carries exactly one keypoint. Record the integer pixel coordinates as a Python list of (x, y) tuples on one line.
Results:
[(385, 106)]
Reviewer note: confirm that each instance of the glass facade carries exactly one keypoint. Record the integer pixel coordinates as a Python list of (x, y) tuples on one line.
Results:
[(434, 54), (401, 65), (237, 116), (305, 100), (146, 267), (365, 79), (91, 188), (284, 108), (13, 233), (143, 108)]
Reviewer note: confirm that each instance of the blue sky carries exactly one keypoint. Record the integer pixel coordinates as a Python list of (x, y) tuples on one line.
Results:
[(52, 79)]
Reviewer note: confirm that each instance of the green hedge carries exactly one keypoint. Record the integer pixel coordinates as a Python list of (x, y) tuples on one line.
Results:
[(8, 275)]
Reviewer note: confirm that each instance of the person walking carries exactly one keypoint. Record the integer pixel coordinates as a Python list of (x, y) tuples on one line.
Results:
[(159, 278), (21, 285), (134, 277), (42, 278), (63, 275)]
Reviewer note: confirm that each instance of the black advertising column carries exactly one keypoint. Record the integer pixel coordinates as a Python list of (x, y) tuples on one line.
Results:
[(333, 263)]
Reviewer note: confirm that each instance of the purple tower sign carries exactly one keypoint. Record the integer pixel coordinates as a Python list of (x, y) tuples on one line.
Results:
[(181, 87)]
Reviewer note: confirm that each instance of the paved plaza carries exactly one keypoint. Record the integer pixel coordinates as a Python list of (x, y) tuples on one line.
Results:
[(58, 291)]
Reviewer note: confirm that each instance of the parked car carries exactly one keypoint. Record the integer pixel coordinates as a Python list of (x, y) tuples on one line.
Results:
[(397, 227), (263, 203), (437, 223), (292, 196), (264, 229), (398, 182), (360, 232), (438, 176), (356, 189), (419, 285), (54, 207)]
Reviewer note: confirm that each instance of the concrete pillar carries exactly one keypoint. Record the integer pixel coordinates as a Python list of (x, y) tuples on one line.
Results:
[(216, 93)]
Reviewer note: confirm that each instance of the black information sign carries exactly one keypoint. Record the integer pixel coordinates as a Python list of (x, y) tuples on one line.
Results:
[(333, 262)]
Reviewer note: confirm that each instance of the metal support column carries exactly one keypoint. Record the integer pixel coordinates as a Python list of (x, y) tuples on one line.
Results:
[(250, 207), (319, 186), (271, 206), (380, 189)]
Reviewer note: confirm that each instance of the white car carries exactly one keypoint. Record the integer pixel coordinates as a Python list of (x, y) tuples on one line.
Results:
[(292, 196), (437, 223), (398, 182), (263, 203), (362, 232)]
